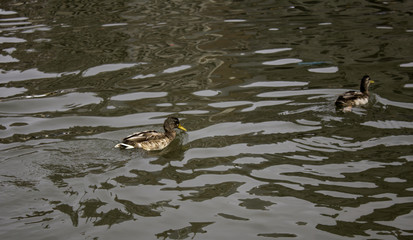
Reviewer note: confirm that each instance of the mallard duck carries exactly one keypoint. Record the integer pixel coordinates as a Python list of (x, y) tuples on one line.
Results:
[(354, 98), (152, 140)]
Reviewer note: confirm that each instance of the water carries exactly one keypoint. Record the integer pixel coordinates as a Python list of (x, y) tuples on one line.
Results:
[(266, 155)]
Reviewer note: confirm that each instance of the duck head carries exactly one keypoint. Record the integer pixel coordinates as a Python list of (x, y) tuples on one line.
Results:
[(171, 123), (365, 83)]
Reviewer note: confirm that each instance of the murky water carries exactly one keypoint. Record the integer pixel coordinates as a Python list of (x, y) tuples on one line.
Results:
[(266, 155)]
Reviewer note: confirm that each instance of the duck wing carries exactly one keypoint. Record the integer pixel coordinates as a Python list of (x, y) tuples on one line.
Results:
[(348, 98), (141, 139), (143, 136), (148, 140)]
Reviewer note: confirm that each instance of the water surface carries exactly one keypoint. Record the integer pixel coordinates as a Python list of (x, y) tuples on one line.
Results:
[(266, 155)]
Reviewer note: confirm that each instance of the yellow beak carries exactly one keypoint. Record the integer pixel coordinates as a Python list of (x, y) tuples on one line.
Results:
[(182, 128), (371, 81)]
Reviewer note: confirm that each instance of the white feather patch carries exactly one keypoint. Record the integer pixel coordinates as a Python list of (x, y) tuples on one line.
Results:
[(361, 101), (123, 145)]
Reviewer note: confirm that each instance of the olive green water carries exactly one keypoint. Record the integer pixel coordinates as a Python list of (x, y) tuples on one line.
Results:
[(266, 155)]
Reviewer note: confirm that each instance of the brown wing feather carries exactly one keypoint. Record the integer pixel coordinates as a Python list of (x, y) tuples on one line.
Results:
[(148, 140), (348, 98), (142, 136)]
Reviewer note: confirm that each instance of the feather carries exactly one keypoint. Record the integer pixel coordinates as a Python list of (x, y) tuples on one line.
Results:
[(354, 98), (152, 140)]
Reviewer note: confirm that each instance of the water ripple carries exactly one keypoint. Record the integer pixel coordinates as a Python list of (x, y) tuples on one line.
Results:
[(108, 68), (49, 104), (138, 95), (282, 61), (238, 128)]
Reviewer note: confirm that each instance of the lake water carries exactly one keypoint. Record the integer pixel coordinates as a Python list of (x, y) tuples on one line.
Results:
[(266, 155)]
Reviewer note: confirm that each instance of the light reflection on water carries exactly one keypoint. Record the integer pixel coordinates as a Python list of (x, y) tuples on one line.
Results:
[(266, 154)]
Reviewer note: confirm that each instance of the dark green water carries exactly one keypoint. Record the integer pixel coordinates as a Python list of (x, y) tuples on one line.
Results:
[(266, 155)]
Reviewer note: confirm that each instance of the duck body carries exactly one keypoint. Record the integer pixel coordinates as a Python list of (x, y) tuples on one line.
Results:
[(352, 98), (349, 99), (152, 140)]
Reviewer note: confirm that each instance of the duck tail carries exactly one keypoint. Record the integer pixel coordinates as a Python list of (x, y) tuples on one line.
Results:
[(123, 146)]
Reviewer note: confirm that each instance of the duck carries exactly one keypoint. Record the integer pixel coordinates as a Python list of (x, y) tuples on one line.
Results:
[(152, 140), (348, 100)]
